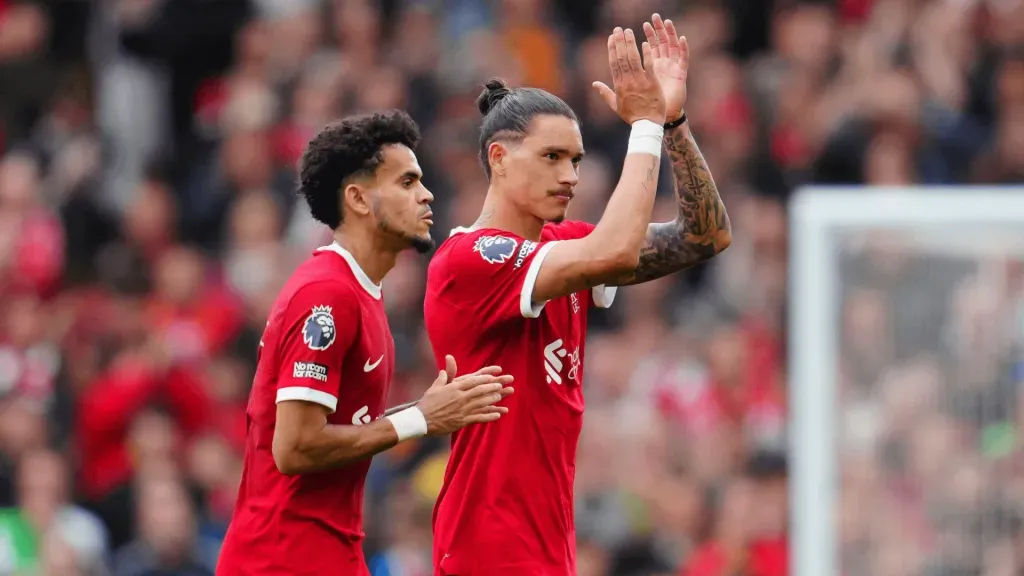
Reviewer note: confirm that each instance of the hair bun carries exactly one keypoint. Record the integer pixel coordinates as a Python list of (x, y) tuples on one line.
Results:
[(494, 91)]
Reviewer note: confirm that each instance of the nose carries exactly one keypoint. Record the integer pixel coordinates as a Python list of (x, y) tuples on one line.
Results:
[(426, 196), (569, 175)]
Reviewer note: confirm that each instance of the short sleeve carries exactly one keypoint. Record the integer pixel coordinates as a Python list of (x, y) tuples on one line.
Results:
[(317, 328), (494, 274), (602, 296)]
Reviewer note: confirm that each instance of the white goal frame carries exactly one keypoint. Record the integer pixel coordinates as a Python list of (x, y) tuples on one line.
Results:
[(816, 214)]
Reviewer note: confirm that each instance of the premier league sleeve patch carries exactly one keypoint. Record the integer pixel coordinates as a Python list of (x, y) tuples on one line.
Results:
[(319, 332), (495, 249)]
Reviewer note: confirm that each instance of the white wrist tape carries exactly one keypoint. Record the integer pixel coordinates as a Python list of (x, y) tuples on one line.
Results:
[(645, 138), (409, 423)]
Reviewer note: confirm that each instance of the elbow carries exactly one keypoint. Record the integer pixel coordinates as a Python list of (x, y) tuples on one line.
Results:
[(623, 261), (723, 240), (287, 456), (612, 262), (286, 462)]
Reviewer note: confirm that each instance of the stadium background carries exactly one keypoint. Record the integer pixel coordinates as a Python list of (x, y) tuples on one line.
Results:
[(148, 216)]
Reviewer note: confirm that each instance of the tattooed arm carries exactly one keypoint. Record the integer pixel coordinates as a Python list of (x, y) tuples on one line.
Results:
[(701, 228)]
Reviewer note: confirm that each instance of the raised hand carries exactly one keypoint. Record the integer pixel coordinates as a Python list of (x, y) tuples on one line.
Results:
[(454, 403), (638, 94), (671, 63)]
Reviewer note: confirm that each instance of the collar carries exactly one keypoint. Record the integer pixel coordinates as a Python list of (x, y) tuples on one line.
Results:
[(461, 230), (357, 271)]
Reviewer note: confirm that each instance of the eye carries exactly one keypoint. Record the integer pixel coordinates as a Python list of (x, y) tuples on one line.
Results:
[(576, 161), (408, 183), (551, 156)]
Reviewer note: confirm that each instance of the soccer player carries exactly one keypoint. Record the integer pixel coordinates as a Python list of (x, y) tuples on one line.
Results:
[(327, 357), (516, 286)]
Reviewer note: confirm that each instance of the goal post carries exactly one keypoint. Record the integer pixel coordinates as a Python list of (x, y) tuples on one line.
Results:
[(946, 220)]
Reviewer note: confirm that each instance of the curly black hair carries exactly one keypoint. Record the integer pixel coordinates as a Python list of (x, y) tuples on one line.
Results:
[(348, 148)]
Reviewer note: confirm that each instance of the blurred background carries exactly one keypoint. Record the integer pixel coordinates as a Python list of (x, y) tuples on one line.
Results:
[(148, 217)]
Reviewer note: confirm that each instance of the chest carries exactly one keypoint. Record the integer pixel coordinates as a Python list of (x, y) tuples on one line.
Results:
[(561, 330), (367, 369)]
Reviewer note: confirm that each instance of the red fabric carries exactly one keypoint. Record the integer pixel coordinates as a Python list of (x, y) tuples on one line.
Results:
[(506, 504), (108, 406), (788, 146), (38, 254), (328, 342), (289, 141), (855, 11), (764, 558), (105, 411), (700, 404), (200, 330)]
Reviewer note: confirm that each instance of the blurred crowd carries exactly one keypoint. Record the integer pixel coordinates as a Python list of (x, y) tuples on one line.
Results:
[(148, 217), (932, 368)]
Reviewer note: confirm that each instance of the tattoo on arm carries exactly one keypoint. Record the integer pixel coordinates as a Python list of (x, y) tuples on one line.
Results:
[(652, 173), (701, 228)]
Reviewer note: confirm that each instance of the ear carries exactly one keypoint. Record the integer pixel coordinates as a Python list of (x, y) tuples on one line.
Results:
[(356, 199), (497, 154)]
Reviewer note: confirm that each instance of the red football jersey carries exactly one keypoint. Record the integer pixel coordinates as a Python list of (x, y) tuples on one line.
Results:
[(327, 341), (506, 506)]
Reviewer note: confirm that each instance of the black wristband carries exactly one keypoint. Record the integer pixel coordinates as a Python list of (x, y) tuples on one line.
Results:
[(676, 123)]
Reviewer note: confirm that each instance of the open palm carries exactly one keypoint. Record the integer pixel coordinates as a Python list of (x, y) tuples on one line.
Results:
[(671, 62), (671, 56)]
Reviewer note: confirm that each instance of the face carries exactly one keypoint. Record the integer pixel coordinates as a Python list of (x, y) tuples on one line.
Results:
[(542, 171), (396, 200)]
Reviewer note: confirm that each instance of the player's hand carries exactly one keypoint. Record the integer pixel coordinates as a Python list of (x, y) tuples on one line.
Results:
[(638, 94), (454, 403), (671, 63)]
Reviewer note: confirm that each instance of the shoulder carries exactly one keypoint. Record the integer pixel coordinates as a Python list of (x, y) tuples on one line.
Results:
[(567, 230), (477, 249), (320, 299)]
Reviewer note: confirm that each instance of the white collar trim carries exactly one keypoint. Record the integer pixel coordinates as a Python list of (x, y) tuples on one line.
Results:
[(460, 230), (357, 271)]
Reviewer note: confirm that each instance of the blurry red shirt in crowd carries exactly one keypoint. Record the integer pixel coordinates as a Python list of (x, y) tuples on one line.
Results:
[(763, 558), (37, 259), (854, 11), (700, 403), (109, 404), (201, 329)]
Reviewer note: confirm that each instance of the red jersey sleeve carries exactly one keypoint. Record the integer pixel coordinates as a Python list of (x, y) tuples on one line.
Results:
[(316, 328), (497, 271), (600, 296), (492, 273)]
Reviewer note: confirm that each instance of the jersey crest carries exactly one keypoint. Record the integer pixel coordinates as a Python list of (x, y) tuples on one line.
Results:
[(319, 332), (495, 249)]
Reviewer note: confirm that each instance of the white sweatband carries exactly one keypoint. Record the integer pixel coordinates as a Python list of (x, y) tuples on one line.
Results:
[(645, 138), (409, 423)]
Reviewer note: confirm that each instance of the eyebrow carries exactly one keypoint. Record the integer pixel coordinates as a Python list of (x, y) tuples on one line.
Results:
[(413, 174), (562, 151)]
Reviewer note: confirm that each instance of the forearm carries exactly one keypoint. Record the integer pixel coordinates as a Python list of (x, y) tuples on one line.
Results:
[(701, 229), (334, 446), (701, 213), (623, 224)]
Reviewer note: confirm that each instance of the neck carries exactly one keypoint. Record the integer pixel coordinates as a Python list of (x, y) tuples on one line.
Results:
[(499, 213), (375, 258)]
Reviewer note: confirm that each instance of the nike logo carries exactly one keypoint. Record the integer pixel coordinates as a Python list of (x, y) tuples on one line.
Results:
[(369, 367)]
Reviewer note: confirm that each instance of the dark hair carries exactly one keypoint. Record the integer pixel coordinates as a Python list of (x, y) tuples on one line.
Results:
[(351, 147), (509, 111)]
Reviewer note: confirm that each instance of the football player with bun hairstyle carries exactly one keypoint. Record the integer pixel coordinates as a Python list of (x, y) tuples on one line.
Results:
[(515, 287), (316, 411)]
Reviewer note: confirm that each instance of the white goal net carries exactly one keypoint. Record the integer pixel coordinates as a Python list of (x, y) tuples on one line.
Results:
[(906, 373)]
